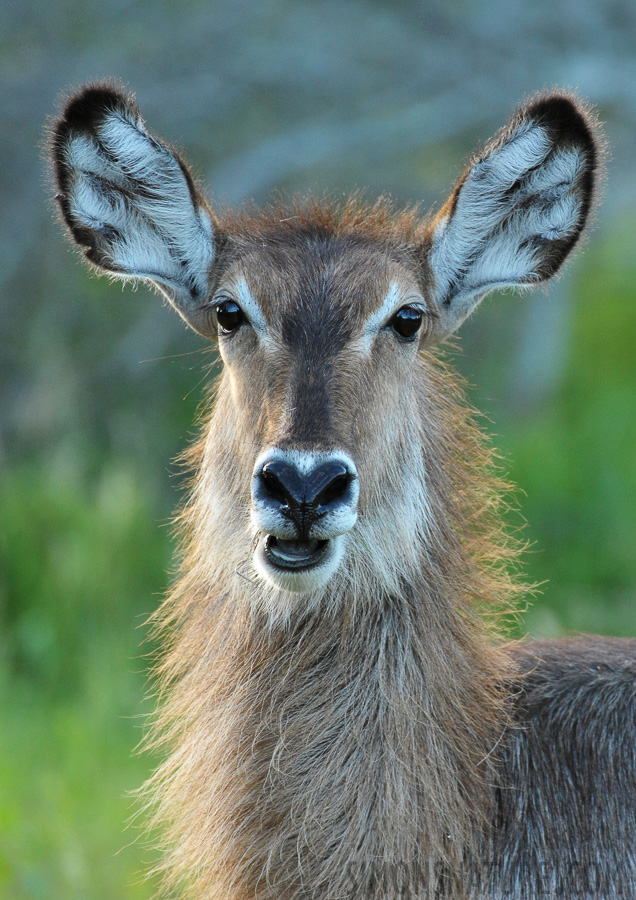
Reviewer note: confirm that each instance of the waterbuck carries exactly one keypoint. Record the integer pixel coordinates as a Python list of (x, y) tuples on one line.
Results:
[(338, 716)]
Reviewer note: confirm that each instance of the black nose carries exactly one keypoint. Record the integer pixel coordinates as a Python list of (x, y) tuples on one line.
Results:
[(303, 495)]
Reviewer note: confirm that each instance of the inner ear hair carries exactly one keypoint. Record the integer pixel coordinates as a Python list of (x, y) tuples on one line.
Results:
[(81, 114), (129, 201), (570, 122), (519, 208)]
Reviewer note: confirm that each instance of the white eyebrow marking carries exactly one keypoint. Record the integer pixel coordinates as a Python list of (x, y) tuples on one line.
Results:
[(392, 302), (250, 307)]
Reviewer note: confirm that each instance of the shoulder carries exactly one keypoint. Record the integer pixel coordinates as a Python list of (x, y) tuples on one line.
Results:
[(584, 670), (574, 715), (566, 798)]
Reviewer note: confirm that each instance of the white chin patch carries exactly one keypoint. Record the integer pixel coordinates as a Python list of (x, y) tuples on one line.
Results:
[(302, 569)]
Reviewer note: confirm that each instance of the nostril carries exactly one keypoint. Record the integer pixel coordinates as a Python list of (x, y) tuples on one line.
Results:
[(281, 482), (272, 485), (335, 490), (329, 483)]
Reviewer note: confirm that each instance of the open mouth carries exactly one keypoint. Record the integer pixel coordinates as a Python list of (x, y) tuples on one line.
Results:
[(294, 555)]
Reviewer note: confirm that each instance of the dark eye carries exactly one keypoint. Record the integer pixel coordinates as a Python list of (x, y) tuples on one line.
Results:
[(407, 321), (229, 314)]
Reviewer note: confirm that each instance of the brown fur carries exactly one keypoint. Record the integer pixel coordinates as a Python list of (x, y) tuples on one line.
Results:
[(333, 741), (305, 754)]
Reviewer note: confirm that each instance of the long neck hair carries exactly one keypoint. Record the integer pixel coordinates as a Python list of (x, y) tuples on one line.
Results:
[(348, 744)]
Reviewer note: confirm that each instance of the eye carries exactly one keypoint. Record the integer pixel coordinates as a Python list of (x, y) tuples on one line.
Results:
[(407, 321), (229, 314)]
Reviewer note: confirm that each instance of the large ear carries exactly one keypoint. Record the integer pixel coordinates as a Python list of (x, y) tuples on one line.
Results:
[(518, 210), (130, 202)]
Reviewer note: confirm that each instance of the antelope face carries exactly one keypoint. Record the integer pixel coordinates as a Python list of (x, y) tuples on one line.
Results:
[(324, 409), (320, 339)]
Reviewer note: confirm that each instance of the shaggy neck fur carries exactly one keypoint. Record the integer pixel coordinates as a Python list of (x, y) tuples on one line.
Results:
[(348, 746)]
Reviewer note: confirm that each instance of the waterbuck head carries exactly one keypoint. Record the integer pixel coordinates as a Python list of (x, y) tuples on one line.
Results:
[(327, 462)]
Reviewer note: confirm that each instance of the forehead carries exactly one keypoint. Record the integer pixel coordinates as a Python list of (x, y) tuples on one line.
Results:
[(306, 270)]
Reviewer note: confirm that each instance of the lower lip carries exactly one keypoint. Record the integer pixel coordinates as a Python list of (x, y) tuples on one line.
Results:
[(294, 556)]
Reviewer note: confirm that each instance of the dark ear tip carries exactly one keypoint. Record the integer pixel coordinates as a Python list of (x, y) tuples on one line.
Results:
[(567, 116), (82, 112), (87, 107)]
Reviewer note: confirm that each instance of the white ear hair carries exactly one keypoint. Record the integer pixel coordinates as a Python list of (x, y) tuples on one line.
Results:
[(518, 210), (130, 202)]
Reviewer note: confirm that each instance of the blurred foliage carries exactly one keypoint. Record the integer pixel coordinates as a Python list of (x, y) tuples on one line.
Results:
[(81, 565), (99, 386), (575, 456)]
